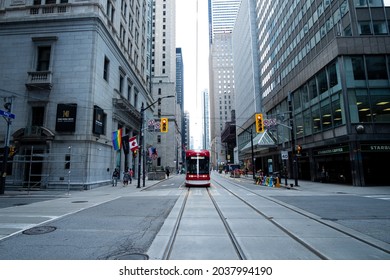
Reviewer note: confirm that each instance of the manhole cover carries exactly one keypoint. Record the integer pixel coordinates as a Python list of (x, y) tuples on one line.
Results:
[(133, 256), (39, 230), (79, 201)]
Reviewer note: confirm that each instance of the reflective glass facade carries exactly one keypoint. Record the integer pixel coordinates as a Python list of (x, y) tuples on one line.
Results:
[(325, 68)]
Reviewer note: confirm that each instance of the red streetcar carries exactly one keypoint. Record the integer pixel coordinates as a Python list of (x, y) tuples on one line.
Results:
[(198, 168)]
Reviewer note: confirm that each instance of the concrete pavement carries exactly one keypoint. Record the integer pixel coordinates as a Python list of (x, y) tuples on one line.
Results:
[(22, 210)]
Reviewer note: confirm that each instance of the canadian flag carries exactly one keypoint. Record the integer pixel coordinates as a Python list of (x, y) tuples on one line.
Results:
[(133, 143)]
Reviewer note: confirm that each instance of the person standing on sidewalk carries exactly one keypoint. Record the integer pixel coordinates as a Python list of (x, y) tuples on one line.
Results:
[(115, 177), (131, 173)]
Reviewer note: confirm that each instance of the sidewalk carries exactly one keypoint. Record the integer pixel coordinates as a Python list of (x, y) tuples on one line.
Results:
[(22, 210), (330, 188)]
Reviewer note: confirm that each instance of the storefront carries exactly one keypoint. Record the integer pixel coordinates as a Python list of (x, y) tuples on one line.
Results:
[(332, 165), (375, 168)]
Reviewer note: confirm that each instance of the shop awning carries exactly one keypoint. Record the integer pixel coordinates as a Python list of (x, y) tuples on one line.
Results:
[(261, 142)]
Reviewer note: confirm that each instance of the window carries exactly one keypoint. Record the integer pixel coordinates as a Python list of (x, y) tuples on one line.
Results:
[(380, 104), (307, 127), (316, 115), (121, 80), (375, 3), (348, 31), (376, 67), (322, 81), (297, 99), (360, 3), (358, 68), (364, 28), (332, 71), (106, 69), (129, 87), (379, 27), (298, 125), (135, 98), (43, 62), (363, 106), (337, 112), (305, 94), (38, 114), (326, 114), (110, 11), (312, 88)]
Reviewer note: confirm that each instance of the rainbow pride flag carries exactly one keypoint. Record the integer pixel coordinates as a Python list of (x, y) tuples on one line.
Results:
[(117, 139)]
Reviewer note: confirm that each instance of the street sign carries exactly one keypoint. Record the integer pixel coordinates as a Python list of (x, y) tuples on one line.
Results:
[(7, 114), (284, 154), (269, 122)]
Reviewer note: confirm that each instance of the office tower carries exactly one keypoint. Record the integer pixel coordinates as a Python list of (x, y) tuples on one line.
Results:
[(246, 80), (164, 83), (324, 69), (222, 18)]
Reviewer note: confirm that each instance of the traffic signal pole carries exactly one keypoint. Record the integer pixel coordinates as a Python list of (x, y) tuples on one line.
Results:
[(252, 151), (8, 106), (293, 151), (141, 140)]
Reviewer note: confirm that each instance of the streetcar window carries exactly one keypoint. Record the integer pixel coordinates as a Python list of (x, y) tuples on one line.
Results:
[(197, 166)]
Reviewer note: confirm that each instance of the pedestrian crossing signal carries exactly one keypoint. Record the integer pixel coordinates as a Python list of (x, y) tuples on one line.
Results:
[(164, 125), (259, 123)]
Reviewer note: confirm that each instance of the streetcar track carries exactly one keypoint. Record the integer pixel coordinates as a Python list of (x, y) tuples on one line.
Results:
[(299, 212), (171, 241), (271, 220), (169, 248), (233, 239)]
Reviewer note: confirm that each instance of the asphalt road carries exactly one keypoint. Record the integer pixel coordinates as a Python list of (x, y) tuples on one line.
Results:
[(370, 216), (119, 229)]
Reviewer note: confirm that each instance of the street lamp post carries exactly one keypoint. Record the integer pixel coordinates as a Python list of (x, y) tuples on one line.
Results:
[(141, 139)]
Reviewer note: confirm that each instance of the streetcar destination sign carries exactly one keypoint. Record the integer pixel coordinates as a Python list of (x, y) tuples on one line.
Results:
[(7, 114)]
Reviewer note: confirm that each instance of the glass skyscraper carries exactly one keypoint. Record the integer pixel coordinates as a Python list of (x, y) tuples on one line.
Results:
[(325, 69), (222, 17)]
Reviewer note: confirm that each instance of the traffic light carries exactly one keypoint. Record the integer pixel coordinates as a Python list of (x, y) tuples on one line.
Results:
[(259, 123), (164, 125), (12, 151), (299, 149)]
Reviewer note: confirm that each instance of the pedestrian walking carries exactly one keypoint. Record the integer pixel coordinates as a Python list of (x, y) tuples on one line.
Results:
[(167, 171), (115, 177), (126, 176)]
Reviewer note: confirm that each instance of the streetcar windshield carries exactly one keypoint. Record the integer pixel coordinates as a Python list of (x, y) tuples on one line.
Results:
[(198, 165)]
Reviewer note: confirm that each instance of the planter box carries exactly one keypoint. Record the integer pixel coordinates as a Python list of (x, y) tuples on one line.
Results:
[(156, 175)]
